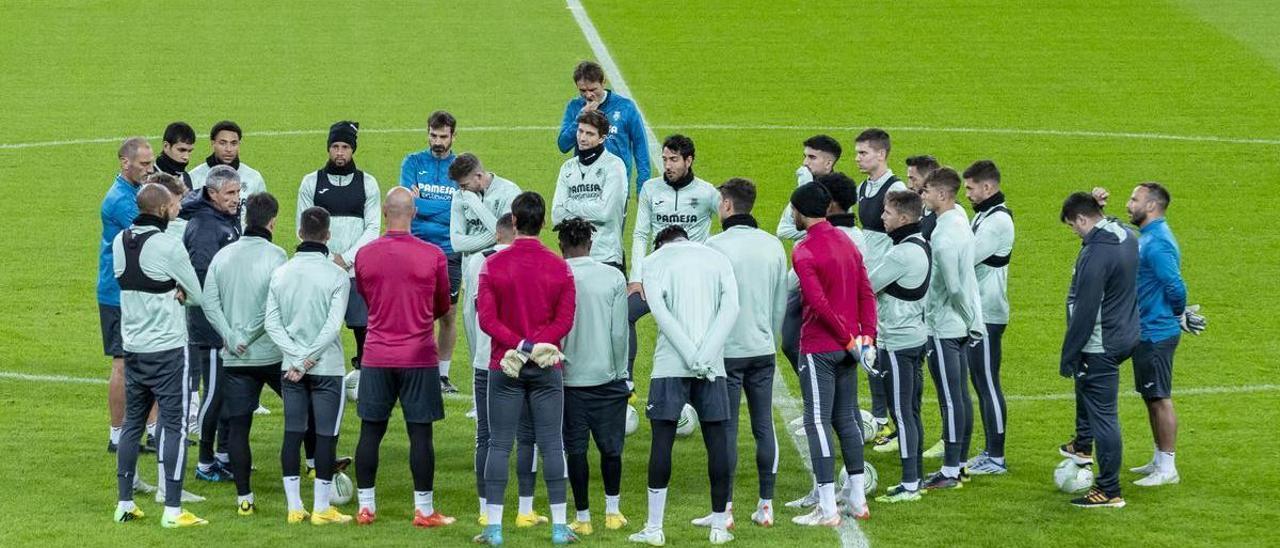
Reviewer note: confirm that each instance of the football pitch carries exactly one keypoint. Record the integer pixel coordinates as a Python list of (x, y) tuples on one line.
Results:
[(1063, 96)]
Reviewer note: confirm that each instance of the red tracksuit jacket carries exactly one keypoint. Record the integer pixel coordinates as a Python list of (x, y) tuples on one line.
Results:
[(525, 293), (837, 296)]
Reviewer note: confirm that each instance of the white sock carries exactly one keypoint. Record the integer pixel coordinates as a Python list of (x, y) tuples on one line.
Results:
[(911, 485), (763, 503), (320, 498), (856, 490), (952, 472), (495, 514), (584, 516), (559, 513), (422, 500), (657, 507), (311, 463), (720, 520), (728, 507), (172, 512), (997, 460), (526, 505), (222, 458), (483, 506), (126, 505), (293, 492), (115, 434), (611, 504), (1155, 454), (240, 499), (151, 429), (366, 498), (827, 498), (444, 367), (1166, 461)]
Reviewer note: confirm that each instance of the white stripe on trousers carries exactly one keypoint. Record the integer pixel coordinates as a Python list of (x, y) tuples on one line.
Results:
[(817, 409), (950, 410), (182, 417), (211, 386), (337, 422), (897, 401), (991, 384)]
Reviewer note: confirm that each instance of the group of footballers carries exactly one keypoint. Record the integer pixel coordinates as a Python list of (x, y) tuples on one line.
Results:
[(887, 275)]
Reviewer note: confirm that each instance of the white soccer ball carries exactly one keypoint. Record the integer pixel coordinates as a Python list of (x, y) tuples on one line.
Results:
[(870, 477), (1072, 478), (341, 489), (633, 420), (352, 385), (687, 422), (868, 426)]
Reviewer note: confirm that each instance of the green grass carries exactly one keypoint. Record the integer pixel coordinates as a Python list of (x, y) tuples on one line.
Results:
[(77, 70)]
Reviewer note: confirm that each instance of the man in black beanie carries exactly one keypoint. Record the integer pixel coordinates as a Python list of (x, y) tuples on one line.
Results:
[(352, 199)]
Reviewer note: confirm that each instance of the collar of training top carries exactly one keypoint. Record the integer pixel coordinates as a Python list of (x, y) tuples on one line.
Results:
[(170, 166), (902, 232), (147, 219), (843, 219), (341, 171), (258, 231), (313, 247), (740, 219), (590, 155), (213, 161), (682, 182), (995, 200)]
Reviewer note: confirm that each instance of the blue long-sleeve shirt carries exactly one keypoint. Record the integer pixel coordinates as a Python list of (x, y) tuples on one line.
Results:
[(119, 207), (1162, 295), (626, 137), (428, 178)]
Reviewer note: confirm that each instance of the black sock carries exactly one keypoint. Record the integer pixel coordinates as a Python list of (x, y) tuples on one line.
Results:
[(289, 454), (238, 450), (422, 456)]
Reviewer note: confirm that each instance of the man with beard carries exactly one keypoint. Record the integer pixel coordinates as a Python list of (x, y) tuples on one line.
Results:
[(225, 139)]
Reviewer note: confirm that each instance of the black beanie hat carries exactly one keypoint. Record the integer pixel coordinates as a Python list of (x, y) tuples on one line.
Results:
[(811, 200), (344, 131)]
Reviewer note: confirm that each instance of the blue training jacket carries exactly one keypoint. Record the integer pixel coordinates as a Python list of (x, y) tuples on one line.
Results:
[(626, 133), (1162, 295), (119, 208), (428, 178)]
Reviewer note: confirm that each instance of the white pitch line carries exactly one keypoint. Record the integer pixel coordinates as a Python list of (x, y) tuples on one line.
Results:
[(50, 378), (726, 127)]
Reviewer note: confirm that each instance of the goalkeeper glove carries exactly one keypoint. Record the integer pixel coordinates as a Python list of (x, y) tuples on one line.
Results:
[(546, 355), (863, 349), (1192, 321), (511, 363)]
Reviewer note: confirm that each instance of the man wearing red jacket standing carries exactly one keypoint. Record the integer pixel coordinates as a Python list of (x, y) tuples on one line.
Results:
[(837, 334), (526, 304), (405, 282)]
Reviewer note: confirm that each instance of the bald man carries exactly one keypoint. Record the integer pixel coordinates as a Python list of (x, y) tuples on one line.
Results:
[(406, 283)]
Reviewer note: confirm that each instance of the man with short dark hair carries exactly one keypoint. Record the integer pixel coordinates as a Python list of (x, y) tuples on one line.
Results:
[(213, 222), (154, 282), (678, 199), (482, 197), (901, 281), (179, 143), (406, 283), (838, 333), (760, 271), (1162, 305), (595, 375), (225, 139), (992, 246), (821, 152), (953, 314), (526, 304), (352, 198), (306, 301), (626, 134), (919, 167), (426, 174), (119, 208), (1103, 328), (694, 298), (235, 293), (592, 186)]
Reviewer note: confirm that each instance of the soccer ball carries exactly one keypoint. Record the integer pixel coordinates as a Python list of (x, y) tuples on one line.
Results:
[(870, 476), (341, 489), (1071, 477), (352, 384), (687, 422), (633, 420), (868, 426)]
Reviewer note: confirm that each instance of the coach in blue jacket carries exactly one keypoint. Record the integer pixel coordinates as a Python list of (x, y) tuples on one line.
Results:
[(1102, 332), (626, 137)]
